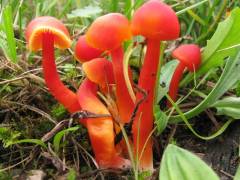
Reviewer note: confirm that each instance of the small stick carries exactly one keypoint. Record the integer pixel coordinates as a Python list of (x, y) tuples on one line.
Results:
[(83, 114)]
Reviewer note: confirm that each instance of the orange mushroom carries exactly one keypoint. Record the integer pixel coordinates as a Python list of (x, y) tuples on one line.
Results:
[(189, 56), (84, 52), (107, 33), (100, 71), (100, 129), (44, 33), (157, 22)]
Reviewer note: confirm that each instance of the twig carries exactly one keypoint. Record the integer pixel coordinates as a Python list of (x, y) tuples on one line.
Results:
[(32, 109), (56, 129), (227, 174), (83, 114)]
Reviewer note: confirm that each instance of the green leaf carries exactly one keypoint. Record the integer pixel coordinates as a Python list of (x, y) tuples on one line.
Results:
[(237, 175), (161, 119), (58, 137), (4, 47), (32, 141), (86, 12), (8, 30), (181, 164), (215, 134), (71, 175), (228, 106), (221, 45), (228, 78)]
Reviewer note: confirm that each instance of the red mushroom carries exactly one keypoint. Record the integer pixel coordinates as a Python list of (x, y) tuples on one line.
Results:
[(100, 129), (189, 56), (108, 33), (84, 52), (46, 33), (157, 22)]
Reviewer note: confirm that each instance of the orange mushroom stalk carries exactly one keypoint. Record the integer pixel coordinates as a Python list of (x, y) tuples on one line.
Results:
[(46, 33), (108, 33), (189, 56), (100, 129), (157, 22)]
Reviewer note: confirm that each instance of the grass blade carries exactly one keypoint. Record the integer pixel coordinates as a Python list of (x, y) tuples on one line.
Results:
[(8, 29)]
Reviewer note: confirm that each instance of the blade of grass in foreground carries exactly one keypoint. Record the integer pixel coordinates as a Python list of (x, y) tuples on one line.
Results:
[(8, 30)]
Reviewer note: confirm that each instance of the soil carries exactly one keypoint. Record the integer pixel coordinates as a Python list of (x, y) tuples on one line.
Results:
[(221, 153)]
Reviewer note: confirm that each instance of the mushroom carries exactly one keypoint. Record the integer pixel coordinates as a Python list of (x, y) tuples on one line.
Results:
[(84, 52), (100, 71), (157, 22), (107, 33), (44, 33), (189, 56), (100, 129)]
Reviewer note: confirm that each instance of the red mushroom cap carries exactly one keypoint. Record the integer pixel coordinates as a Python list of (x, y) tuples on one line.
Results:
[(43, 24), (189, 55), (109, 31), (155, 20), (84, 52)]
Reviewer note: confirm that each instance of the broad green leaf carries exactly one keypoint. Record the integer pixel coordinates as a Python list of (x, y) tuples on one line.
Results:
[(8, 30), (229, 106), (228, 78), (86, 12), (181, 164), (58, 137), (219, 46), (161, 119), (237, 175)]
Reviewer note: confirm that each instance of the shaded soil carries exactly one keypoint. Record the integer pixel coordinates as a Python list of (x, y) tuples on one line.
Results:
[(221, 153)]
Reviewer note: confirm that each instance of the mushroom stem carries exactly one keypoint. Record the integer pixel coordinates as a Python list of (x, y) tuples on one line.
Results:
[(173, 88), (64, 95), (101, 129), (144, 118), (124, 101)]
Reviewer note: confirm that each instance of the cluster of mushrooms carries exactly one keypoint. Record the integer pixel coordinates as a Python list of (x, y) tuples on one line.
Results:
[(101, 53)]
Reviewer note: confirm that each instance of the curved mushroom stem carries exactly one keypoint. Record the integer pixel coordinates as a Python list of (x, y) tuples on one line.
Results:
[(124, 101), (100, 129), (173, 88), (144, 118), (64, 95)]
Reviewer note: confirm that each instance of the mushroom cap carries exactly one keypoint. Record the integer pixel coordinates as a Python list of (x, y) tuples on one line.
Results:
[(189, 55), (109, 31), (84, 52), (99, 71), (47, 24), (155, 20)]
